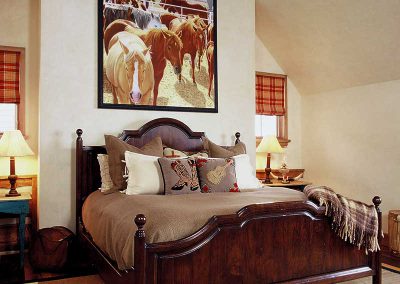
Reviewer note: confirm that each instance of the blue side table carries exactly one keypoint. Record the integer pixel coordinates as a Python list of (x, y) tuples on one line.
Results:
[(18, 205)]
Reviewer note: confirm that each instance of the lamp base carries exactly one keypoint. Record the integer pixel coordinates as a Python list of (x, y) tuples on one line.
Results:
[(267, 179), (13, 192)]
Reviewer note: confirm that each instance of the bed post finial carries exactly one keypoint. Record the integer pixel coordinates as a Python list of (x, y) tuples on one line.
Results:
[(377, 201), (140, 250), (79, 132), (377, 278), (237, 135), (140, 221)]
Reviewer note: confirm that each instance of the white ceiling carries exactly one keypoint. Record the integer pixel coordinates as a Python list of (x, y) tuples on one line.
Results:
[(324, 45)]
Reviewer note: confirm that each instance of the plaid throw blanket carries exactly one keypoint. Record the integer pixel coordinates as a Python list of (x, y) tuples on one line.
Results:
[(352, 220)]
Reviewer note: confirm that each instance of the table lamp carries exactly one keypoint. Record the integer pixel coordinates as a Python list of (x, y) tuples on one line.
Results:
[(13, 144), (268, 145)]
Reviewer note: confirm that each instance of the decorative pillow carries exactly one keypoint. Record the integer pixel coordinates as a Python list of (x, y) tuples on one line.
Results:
[(173, 153), (180, 175), (217, 175), (106, 182), (216, 151), (116, 150), (144, 174), (245, 173)]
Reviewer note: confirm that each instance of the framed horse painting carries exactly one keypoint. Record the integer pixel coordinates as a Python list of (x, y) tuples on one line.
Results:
[(158, 55)]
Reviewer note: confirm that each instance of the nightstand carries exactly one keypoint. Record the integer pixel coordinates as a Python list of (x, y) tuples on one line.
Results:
[(294, 184), (18, 205)]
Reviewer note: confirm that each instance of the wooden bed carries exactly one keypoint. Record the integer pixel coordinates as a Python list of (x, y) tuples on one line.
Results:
[(287, 242)]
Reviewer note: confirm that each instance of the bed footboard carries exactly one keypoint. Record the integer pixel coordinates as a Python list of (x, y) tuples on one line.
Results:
[(273, 243)]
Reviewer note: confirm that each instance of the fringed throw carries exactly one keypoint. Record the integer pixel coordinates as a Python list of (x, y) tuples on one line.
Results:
[(352, 220)]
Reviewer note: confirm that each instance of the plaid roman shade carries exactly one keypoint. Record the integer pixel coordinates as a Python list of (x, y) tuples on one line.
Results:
[(270, 95), (9, 76)]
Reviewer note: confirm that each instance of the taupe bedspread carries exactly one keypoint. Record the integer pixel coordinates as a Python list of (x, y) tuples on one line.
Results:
[(109, 218)]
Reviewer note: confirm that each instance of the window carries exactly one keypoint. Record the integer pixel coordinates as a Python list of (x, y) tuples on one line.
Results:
[(271, 107), (265, 125), (12, 78), (8, 117)]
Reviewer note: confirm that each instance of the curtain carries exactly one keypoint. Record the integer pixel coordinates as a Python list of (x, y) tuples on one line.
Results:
[(9, 76), (270, 95)]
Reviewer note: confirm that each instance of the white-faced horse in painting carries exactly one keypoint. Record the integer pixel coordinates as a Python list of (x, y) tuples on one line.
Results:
[(130, 70)]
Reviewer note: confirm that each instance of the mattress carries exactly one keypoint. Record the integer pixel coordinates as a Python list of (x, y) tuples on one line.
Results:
[(110, 218)]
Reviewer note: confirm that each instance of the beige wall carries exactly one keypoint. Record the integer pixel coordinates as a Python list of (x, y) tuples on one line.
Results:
[(265, 62), (68, 95), (19, 22), (351, 142)]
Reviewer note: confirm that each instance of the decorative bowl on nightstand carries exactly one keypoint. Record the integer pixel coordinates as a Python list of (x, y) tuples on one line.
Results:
[(284, 171)]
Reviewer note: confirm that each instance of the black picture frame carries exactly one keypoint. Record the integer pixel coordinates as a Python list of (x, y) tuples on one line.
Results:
[(103, 105)]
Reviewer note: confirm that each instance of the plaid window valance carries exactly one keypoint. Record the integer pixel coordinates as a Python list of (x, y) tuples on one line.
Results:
[(270, 95), (9, 76)]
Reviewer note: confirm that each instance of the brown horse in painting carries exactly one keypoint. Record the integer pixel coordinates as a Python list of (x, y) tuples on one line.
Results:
[(199, 22), (210, 61), (165, 45), (167, 18), (192, 38), (188, 8), (169, 8)]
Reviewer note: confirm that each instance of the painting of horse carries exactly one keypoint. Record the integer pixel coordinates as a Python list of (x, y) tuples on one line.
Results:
[(193, 40), (130, 70), (158, 55)]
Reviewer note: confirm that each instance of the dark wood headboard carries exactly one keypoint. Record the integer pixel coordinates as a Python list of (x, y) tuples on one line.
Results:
[(174, 134)]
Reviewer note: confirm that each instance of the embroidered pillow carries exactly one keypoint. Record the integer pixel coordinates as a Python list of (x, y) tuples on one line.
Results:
[(180, 175), (116, 150), (216, 151), (217, 175), (106, 182), (173, 153)]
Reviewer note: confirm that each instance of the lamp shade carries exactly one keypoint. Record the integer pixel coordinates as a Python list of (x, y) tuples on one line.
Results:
[(13, 144), (269, 144)]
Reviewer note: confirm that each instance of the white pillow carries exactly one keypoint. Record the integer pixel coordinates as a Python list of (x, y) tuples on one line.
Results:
[(106, 182), (245, 173), (144, 174)]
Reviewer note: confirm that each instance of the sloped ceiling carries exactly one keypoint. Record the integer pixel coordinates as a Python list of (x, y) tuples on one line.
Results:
[(325, 45)]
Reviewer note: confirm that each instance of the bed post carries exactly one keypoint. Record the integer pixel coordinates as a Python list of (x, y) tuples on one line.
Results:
[(377, 278), (140, 250), (79, 158), (237, 135)]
